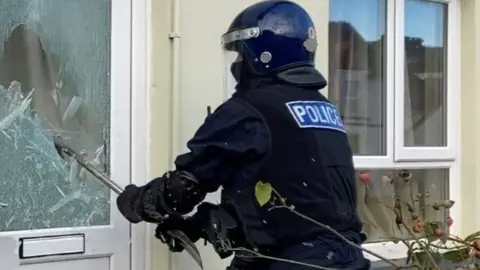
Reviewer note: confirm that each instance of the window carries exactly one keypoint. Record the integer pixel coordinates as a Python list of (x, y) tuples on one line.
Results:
[(425, 74), (356, 69), (61, 51), (393, 75), (415, 192)]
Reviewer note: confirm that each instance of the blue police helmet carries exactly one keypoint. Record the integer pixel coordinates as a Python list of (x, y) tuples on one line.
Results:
[(272, 36)]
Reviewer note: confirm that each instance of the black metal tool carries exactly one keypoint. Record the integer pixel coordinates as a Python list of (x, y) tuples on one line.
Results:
[(66, 152)]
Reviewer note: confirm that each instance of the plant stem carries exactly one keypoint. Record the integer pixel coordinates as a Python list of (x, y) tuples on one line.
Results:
[(425, 248), (345, 239), (330, 229), (410, 249), (417, 240), (458, 248), (458, 240), (260, 255)]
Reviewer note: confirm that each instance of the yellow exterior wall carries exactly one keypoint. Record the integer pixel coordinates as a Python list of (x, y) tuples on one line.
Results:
[(159, 98), (201, 25), (470, 115)]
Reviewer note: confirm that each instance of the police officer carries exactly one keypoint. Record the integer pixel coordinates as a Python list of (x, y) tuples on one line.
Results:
[(277, 128)]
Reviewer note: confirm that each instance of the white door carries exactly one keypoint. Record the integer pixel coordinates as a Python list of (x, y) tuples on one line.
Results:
[(76, 55)]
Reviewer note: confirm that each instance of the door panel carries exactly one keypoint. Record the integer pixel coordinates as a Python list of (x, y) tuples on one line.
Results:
[(71, 61), (58, 64), (98, 263)]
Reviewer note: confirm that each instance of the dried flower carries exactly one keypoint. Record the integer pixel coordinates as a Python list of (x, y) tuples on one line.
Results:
[(438, 232), (365, 178), (405, 174), (449, 221), (419, 226), (476, 248), (448, 204)]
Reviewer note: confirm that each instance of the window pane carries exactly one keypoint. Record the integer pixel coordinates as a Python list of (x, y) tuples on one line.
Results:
[(356, 81), (61, 49), (381, 191), (425, 73)]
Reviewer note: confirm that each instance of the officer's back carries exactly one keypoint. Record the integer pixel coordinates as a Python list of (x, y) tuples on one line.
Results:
[(309, 163)]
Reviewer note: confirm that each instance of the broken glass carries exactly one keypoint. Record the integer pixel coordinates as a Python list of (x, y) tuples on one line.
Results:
[(54, 80)]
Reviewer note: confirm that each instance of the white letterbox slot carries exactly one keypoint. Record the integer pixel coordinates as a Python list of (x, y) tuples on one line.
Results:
[(34, 247)]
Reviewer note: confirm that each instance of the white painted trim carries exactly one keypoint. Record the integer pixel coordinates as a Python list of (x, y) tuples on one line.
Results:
[(455, 188), (448, 153), (455, 193), (385, 161), (120, 109), (120, 124), (140, 248), (405, 165), (176, 92), (148, 39)]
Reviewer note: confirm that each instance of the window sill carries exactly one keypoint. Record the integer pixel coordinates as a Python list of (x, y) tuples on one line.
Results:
[(379, 265), (388, 250), (398, 254)]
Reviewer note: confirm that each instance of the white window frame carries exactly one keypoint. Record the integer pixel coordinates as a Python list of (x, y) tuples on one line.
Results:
[(141, 234), (447, 153), (385, 161), (397, 156)]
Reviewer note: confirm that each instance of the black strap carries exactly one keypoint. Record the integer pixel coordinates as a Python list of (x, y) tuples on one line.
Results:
[(220, 228)]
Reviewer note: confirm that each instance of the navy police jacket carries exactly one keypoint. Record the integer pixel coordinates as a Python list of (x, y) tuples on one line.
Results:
[(291, 137)]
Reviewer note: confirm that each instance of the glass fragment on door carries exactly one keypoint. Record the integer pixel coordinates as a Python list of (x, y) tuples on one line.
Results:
[(54, 79)]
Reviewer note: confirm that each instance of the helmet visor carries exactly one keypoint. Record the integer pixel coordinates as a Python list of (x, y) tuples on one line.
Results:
[(232, 48), (229, 81)]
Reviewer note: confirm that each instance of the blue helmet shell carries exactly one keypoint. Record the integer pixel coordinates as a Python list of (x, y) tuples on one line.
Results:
[(272, 36)]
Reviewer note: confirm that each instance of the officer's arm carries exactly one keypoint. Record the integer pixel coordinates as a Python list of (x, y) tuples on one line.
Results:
[(234, 134)]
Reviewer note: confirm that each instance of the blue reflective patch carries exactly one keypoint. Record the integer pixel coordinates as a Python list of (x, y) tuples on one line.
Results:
[(316, 114)]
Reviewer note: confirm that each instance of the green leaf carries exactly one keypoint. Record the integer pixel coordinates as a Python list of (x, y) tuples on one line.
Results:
[(433, 225), (458, 255), (420, 258), (472, 236), (263, 192)]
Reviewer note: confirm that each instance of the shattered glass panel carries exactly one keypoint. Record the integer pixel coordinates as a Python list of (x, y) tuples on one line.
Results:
[(54, 80)]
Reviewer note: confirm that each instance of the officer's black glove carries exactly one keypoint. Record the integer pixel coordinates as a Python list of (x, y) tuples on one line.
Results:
[(190, 226), (140, 203), (128, 202)]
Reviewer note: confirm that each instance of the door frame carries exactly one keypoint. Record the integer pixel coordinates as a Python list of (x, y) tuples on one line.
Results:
[(140, 87), (124, 106)]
